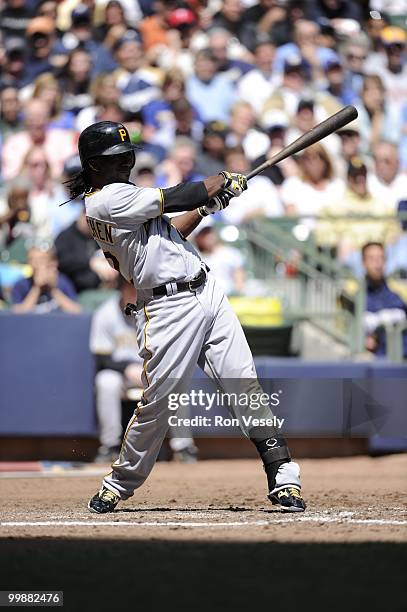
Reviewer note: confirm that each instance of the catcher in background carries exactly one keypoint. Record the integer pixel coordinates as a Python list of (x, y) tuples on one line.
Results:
[(183, 318)]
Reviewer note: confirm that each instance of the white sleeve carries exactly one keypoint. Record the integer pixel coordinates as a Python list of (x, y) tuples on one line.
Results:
[(130, 205)]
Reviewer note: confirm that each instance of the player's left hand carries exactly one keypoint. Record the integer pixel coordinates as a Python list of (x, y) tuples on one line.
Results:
[(234, 183), (218, 202)]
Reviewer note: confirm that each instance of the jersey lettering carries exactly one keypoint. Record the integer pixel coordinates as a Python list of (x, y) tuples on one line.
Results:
[(100, 230)]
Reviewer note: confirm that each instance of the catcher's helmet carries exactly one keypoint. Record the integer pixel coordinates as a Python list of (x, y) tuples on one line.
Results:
[(104, 138)]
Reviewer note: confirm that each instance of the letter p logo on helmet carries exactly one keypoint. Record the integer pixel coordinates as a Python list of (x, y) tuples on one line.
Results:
[(123, 134)]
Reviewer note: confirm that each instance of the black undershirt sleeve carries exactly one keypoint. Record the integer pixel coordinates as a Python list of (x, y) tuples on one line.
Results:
[(184, 197)]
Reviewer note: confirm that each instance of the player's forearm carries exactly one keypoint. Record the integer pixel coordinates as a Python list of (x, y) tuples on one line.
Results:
[(189, 196), (187, 222)]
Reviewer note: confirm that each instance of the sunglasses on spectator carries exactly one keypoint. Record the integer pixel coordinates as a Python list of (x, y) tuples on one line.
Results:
[(352, 56)]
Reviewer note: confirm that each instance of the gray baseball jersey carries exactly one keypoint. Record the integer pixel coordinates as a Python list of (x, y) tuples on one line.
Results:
[(136, 237)]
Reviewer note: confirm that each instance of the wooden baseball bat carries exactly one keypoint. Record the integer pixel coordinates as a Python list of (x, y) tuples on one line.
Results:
[(330, 125)]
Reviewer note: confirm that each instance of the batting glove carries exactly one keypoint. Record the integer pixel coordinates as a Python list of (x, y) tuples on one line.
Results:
[(219, 202), (234, 183)]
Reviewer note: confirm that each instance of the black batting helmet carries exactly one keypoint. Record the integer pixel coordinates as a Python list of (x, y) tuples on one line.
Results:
[(104, 138)]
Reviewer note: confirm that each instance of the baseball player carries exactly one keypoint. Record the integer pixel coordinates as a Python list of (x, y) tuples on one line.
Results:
[(113, 341), (183, 318)]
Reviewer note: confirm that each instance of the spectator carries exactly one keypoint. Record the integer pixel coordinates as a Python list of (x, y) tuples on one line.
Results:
[(103, 91), (46, 289), (350, 140), (143, 172), (292, 89), (261, 200), (15, 226), (378, 118), (270, 17), (12, 68), (75, 81), (230, 18), (14, 18), (179, 167), (138, 85), (80, 259), (305, 49), (58, 144), (394, 68), (386, 181), (47, 88), (222, 45), (41, 38), (335, 82), (355, 52), (154, 28), (348, 235), (211, 157), (383, 306), (275, 124), (209, 92), (242, 131), (177, 54), (315, 187), (258, 84), (226, 263), (10, 115), (397, 251), (114, 23)]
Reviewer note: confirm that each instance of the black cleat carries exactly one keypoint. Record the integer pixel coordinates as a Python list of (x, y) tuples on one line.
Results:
[(289, 499), (104, 501)]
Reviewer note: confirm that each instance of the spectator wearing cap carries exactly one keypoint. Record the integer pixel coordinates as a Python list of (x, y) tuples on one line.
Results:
[(103, 91), (275, 123), (379, 118), (350, 146), (348, 235), (75, 81), (47, 88), (335, 82), (137, 84), (293, 87), (222, 45), (387, 181), (10, 113), (258, 84), (242, 131), (80, 35), (397, 252), (46, 290), (211, 158), (261, 200), (15, 16), (209, 92), (12, 69), (41, 39), (394, 71), (58, 144), (305, 48)]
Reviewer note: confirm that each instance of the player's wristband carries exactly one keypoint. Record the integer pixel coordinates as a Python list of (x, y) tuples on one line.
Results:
[(202, 212)]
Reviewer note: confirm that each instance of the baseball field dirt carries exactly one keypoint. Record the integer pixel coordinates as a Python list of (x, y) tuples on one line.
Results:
[(203, 537)]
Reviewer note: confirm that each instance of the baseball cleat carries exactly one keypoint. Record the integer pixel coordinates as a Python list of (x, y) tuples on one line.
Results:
[(289, 499), (104, 501)]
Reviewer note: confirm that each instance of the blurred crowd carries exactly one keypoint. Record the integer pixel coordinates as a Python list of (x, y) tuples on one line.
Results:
[(202, 85)]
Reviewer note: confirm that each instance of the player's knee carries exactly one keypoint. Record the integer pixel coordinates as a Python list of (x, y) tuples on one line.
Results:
[(108, 381)]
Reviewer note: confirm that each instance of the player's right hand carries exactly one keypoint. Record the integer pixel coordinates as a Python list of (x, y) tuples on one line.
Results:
[(218, 202)]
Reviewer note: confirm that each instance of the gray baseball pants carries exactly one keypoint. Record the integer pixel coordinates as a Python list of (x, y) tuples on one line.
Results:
[(176, 333)]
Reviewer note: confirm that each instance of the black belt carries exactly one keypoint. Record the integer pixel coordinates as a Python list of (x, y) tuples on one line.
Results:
[(177, 287)]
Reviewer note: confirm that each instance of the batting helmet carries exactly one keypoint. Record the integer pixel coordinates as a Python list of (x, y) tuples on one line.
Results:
[(104, 138)]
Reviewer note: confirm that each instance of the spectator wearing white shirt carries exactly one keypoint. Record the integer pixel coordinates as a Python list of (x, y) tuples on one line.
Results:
[(242, 131), (258, 84), (387, 182)]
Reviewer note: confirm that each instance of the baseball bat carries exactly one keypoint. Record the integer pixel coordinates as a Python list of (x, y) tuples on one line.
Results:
[(326, 127)]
